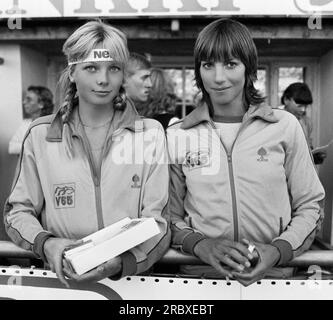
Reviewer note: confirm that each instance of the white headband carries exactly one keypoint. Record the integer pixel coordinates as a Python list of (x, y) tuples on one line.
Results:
[(95, 55)]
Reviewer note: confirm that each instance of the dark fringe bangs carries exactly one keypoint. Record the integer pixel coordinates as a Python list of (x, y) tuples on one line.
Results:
[(219, 47)]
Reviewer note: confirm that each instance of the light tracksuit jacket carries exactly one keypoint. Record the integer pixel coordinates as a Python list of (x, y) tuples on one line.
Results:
[(265, 189), (58, 191)]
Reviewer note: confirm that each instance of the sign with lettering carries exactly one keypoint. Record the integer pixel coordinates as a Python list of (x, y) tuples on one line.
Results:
[(135, 8), (95, 55)]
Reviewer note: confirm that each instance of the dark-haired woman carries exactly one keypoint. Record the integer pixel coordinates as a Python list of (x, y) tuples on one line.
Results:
[(243, 185)]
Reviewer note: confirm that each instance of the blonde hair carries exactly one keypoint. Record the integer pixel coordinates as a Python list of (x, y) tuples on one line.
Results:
[(91, 35)]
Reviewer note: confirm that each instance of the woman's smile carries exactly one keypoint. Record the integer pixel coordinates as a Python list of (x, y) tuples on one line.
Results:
[(221, 89), (102, 93)]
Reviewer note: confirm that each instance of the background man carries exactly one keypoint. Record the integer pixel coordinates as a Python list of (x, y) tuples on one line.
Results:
[(38, 102), (296, 99), (137, 80)]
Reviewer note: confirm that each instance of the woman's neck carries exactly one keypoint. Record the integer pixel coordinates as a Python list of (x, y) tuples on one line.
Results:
[(229, 110), (95, 116)]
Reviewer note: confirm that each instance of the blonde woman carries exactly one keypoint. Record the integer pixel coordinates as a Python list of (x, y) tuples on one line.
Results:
[(73, 178)]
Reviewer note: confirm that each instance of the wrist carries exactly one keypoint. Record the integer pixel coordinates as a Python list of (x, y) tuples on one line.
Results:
[(285, 249), (118, 271), (276, 255), (120, 267), (190, 242), (39, 242), (48, 245), (197, 249)]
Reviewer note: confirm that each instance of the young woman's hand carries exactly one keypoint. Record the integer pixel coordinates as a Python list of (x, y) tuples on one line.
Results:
[(268, 257), (107, 269), (53, 250), (233, 255)]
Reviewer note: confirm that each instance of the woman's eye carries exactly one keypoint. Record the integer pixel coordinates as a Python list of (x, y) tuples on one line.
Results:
[(114, 68), (207, 65), (231, 64), (90, 68)]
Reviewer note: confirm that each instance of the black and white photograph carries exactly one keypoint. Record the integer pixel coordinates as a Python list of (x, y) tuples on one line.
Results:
[(177, 153)]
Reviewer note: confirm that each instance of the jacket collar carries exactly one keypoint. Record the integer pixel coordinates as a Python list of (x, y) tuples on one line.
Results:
[(128, 118), (198, 115), (125, 119), (201, 114), (54, 132)]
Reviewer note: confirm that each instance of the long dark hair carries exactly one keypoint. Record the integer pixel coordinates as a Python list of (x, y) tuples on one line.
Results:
[(223, 40)]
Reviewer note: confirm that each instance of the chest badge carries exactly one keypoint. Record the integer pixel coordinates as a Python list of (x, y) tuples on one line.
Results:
[(262, 153), (64, 195), (136, 181), (196, 159)]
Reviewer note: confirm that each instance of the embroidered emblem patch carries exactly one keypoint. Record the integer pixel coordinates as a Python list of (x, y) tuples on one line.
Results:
[(197, 159), (262, 153), (64, 195), (136, 181)]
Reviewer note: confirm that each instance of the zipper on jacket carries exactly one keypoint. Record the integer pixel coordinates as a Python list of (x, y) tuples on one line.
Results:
[(232, 180), (96, 177), (233, 196)]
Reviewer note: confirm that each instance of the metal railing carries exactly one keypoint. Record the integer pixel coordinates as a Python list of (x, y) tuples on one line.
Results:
[(311, 257)]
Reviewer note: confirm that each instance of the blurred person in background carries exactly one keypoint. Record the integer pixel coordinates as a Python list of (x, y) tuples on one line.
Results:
[(37, 102), (296, 99), (162, 99), (137, 82)]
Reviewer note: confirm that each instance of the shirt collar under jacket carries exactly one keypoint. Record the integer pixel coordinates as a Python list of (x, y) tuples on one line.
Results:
[(201, 114), (126, 119)]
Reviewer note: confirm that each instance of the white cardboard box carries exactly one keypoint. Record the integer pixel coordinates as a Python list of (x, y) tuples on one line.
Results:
[(110, 242)]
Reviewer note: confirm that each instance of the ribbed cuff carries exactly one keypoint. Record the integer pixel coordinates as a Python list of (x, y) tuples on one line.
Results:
[(285, 249), (129, 264), (190, 242), (39, 241)]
